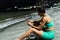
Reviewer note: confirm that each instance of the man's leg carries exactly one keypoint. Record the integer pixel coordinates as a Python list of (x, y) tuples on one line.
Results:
[(26, 34)]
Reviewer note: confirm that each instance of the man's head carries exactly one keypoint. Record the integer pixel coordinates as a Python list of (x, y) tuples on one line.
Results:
[(41, 11)]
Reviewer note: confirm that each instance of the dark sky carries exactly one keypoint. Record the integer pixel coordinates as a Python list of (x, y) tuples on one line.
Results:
[(12, 3)]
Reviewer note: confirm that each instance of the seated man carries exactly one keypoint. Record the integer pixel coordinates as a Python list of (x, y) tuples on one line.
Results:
[(45, 21)]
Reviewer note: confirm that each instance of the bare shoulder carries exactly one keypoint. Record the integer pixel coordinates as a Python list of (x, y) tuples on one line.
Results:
[(47, 18)]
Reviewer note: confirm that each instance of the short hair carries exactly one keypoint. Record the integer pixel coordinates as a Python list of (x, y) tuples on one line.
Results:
[(36, 23), (41, 10)]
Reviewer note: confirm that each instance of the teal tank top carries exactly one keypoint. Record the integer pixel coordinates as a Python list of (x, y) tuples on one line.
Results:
[(50, 24)]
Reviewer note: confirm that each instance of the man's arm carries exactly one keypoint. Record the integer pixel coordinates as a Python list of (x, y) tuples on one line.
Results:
[(40, 26), (43, 22), (31, 24)]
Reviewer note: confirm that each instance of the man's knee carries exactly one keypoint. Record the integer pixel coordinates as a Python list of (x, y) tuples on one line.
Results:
[(30, 29)]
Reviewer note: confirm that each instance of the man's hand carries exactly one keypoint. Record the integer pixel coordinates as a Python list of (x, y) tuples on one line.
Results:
[(29, 23)]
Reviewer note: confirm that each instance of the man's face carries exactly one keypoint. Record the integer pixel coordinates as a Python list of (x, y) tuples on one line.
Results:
[(40, 14)]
